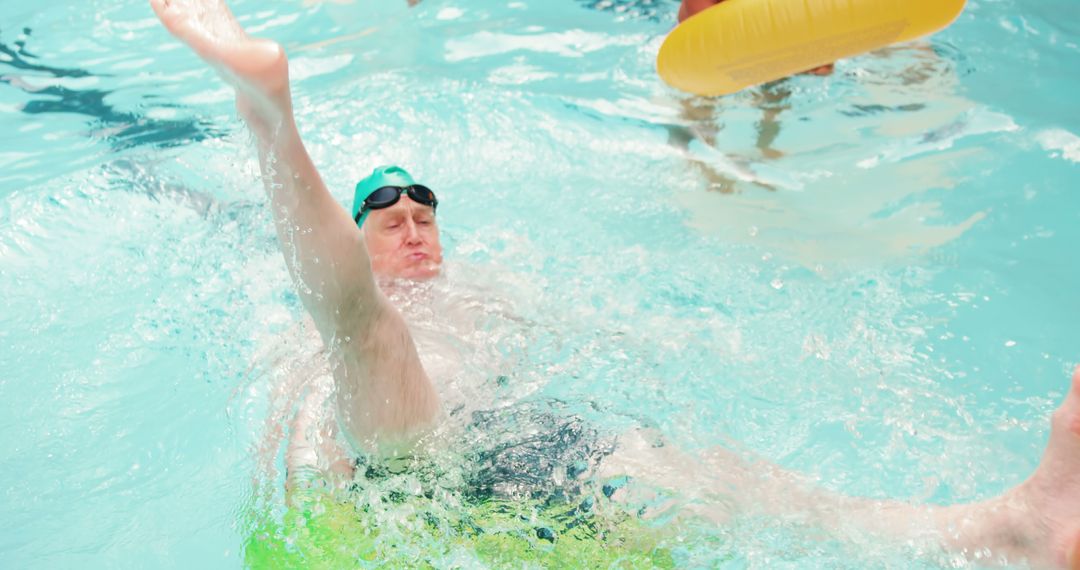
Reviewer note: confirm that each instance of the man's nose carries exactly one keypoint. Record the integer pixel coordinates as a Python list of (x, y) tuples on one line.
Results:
[(412, 233)]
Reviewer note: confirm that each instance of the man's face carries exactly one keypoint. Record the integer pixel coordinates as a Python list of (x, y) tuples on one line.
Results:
[(403, 240)]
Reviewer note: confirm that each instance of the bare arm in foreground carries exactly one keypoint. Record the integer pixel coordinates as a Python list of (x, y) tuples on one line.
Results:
[(384, 398)]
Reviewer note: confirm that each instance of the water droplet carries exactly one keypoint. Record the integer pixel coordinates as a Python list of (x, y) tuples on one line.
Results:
[(545, 534)]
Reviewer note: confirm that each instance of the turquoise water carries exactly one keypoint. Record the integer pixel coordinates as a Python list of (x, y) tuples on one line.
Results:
[(886, 303)]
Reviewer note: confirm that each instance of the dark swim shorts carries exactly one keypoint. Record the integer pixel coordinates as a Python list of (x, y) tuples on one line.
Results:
[(536, 449)]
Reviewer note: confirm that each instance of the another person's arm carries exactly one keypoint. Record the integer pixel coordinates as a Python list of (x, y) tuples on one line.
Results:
[(690, 7)]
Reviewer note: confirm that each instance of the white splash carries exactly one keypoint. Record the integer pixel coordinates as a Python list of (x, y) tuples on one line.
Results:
[(449, 13), (1062, 141)]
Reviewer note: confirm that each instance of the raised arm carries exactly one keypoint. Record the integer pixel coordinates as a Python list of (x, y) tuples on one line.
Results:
[(383, 394)]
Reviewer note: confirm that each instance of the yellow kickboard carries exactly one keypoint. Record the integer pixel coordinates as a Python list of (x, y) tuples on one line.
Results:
[(740, 43)]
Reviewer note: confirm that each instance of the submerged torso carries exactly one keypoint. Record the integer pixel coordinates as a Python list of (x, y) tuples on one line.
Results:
[(503, 438)]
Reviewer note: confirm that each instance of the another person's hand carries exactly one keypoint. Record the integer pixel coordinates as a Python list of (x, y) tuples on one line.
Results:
[(690, 7), (821, 70)]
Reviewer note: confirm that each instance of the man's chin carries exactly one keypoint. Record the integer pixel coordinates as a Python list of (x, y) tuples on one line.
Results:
[(420, 271)]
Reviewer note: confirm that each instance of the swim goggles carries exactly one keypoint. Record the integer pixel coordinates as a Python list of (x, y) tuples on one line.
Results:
[(386, 196)]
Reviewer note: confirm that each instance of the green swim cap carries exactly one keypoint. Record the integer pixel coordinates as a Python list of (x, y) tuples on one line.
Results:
[(381, 176)]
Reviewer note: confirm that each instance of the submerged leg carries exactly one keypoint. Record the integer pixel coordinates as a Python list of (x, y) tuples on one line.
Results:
[(1039, 520), (1053, 491)]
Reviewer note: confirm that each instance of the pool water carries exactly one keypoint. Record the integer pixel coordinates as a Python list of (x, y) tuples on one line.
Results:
[(870, 279)]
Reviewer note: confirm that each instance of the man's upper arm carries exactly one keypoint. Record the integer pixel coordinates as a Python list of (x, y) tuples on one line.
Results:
[(327, 258)]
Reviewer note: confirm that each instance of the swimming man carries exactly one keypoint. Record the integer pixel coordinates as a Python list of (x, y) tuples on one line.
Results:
[(386, 401)]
